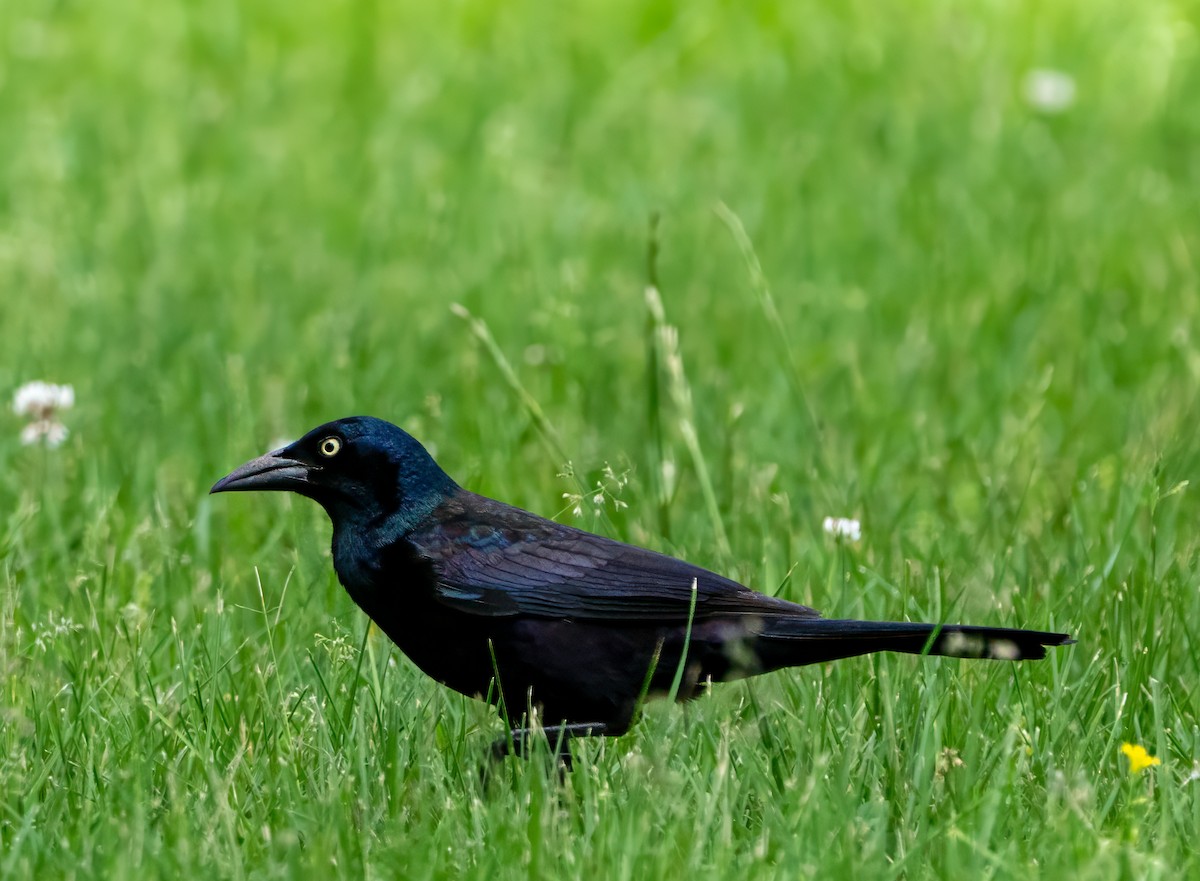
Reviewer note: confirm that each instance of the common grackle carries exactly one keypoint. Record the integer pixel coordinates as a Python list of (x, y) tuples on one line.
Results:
[(491, 600)]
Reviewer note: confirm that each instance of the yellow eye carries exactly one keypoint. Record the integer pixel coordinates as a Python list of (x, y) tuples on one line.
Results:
[(330, 446)]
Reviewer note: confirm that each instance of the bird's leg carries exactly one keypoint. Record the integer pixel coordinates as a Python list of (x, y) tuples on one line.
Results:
[(559, 736)]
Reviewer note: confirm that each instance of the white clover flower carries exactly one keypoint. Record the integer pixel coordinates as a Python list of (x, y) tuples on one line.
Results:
[(1049, 91), (41, 400), (49, 431), (843, 527)]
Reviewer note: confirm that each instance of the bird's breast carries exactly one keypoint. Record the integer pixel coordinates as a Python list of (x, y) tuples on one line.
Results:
[(375, 574), (395, 586)]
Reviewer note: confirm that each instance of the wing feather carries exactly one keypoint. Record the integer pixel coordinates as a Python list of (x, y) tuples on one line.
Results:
[(493, 560)]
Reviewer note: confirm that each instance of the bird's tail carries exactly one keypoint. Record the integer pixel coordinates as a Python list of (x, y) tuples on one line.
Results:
[(793, 642)]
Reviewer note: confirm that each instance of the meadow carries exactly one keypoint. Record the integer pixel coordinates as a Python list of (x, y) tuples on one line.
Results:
[(696, 275)]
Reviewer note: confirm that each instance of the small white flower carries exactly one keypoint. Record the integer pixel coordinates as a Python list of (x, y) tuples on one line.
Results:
[(51, 432), (41, 403), (1049, 91), (54, 628), (41, 400), (843, 527)]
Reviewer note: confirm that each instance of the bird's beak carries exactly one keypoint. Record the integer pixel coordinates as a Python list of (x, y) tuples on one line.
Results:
[(272, 471)]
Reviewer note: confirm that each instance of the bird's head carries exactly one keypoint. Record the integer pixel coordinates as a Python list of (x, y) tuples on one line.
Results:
[(365, 472)]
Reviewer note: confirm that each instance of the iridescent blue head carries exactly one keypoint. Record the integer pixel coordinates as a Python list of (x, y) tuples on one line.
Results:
[(365, 472)]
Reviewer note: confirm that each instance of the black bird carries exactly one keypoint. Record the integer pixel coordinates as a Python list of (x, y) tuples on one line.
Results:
[(580, 626)]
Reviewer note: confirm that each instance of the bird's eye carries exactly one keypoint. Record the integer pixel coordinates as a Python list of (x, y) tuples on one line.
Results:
[(330, 446)]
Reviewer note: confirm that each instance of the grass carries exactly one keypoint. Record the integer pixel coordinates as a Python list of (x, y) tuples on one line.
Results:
[(889, 289)]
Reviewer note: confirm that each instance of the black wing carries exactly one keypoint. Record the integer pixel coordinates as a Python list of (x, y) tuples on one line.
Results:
[(491, 559)]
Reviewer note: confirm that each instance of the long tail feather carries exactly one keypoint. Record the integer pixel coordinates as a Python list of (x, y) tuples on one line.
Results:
[(797, 641)]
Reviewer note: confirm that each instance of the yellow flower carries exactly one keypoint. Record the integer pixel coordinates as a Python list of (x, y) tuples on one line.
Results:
[(1139, 759)]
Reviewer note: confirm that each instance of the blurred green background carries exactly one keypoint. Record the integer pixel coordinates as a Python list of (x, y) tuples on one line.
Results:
[(932, 265)]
